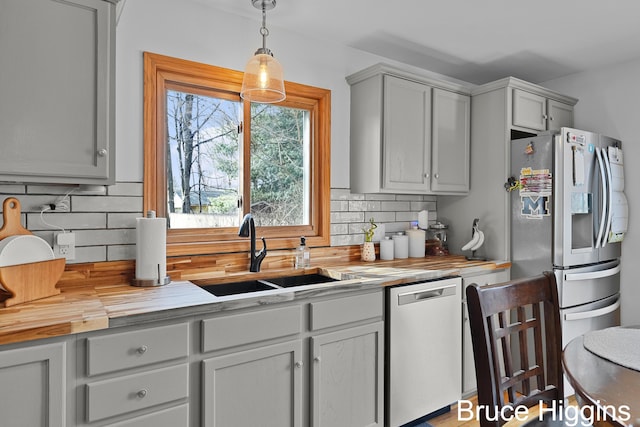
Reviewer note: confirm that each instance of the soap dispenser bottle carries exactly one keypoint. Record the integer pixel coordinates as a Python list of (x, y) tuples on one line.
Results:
[(303, 256)]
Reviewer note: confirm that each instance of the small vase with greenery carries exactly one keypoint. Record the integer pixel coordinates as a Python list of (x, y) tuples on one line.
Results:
[(368, 252)]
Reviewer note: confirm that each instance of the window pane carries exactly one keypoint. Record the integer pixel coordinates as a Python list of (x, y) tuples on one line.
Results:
[(280, 165), (202, 160)]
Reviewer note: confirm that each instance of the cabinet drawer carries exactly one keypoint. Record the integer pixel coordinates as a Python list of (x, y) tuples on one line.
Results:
[(137, 391), (172, 417), (124, 350), (246, 328), (344, 310)]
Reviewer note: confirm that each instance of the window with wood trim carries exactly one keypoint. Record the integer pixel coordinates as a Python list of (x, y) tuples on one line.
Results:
[(211, 157)]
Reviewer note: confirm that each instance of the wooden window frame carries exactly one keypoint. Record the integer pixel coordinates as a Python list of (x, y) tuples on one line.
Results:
[(162, 72)]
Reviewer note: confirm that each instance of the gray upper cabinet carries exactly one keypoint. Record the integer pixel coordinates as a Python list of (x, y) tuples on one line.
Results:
[(450, 143), (409, 133), (539, 113), (57, 85), (500, 111)]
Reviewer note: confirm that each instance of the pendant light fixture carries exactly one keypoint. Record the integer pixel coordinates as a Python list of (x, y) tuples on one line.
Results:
[(263, 81)]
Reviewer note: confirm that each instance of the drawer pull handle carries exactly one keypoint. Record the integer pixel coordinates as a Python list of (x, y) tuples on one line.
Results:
[(142, 393), (142, 350)]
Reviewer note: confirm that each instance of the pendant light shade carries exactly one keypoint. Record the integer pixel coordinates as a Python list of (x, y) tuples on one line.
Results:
[(263, 81), (263, 78)]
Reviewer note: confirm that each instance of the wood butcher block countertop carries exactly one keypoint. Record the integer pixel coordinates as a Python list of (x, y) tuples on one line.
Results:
[(83, 308)]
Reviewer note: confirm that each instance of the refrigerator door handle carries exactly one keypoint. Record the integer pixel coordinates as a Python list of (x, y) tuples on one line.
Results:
[(593, 274), (600, 238), (593, 313), (605, 157)]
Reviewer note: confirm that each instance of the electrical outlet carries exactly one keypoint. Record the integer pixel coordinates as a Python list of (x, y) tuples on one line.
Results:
[(64, 245)]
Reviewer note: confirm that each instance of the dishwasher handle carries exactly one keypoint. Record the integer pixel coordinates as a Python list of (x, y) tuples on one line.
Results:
[(426, 294)]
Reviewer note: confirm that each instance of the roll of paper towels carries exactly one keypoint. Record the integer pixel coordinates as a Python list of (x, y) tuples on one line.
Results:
[(151, 251), (423, 219), (417, 239), (400, 245)]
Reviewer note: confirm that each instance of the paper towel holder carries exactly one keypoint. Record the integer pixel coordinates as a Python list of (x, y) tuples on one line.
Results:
[(144, 283), (159, 280)]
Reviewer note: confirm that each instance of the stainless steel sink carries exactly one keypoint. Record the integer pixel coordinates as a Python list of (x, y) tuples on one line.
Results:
[(250, 286)]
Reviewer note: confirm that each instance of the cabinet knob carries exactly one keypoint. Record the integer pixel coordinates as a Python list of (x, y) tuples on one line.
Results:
[(142, 349), (436, 176), (426, 175), (550, 118), (142, 393), (102, 152), (299, 364), (316, 359), (544, 116)]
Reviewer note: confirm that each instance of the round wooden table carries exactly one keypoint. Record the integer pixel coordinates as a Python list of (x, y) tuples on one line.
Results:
[(611, 388)]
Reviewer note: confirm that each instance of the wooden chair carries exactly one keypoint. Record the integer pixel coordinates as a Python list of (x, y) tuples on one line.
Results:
[(517, 346)]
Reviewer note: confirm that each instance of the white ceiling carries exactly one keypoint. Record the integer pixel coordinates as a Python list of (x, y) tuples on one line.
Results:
[(473, 40)]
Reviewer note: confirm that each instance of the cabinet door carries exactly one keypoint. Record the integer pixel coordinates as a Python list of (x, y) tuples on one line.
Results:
[(56, 109), (406, 135), (32, 386), (260, 387), (468, 364), (347, 377), (529, 110), (450, 142), (560, 115)]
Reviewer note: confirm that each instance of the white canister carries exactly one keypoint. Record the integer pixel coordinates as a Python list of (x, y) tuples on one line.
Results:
[(400, 245), (386, 248), (417, 240)]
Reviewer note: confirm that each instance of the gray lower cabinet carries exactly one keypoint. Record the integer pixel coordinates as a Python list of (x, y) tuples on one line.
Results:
[(345, 377), (259, 387), (33, 385), (468, 364), (134, 377), (57, 104), (317, 363)]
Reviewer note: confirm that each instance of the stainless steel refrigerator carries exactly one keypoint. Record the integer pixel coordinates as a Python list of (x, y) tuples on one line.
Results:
[(569, 215)]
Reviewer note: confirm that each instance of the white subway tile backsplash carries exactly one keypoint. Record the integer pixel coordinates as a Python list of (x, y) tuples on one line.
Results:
[(125, 189), (12, 189), (90, 254), (106, 204), (105, 237), (381, 216), (396, 206), (380, 197), (339, 205), (123, 220), (68, 220), (339, 229), (121, 252), (341, 217), (395, 211), (364, 205)]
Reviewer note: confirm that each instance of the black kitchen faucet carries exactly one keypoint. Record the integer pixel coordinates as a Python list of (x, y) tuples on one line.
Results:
[(248, 229)]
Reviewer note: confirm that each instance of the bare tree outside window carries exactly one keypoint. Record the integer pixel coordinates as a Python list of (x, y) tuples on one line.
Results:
[(203, 163)]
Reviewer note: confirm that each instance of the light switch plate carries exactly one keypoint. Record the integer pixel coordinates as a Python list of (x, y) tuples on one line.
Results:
[(64, 245)]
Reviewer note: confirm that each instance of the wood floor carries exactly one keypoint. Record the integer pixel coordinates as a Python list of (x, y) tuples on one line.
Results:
[(450, 419)]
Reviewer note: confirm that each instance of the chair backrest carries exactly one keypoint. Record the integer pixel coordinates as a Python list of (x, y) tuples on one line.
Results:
[(517, 344)]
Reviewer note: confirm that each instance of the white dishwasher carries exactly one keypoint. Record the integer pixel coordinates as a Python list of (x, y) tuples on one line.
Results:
[(423, 348)]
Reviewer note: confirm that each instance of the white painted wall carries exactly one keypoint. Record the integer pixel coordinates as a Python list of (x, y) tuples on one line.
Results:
[(192, 30), (609, 105)]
